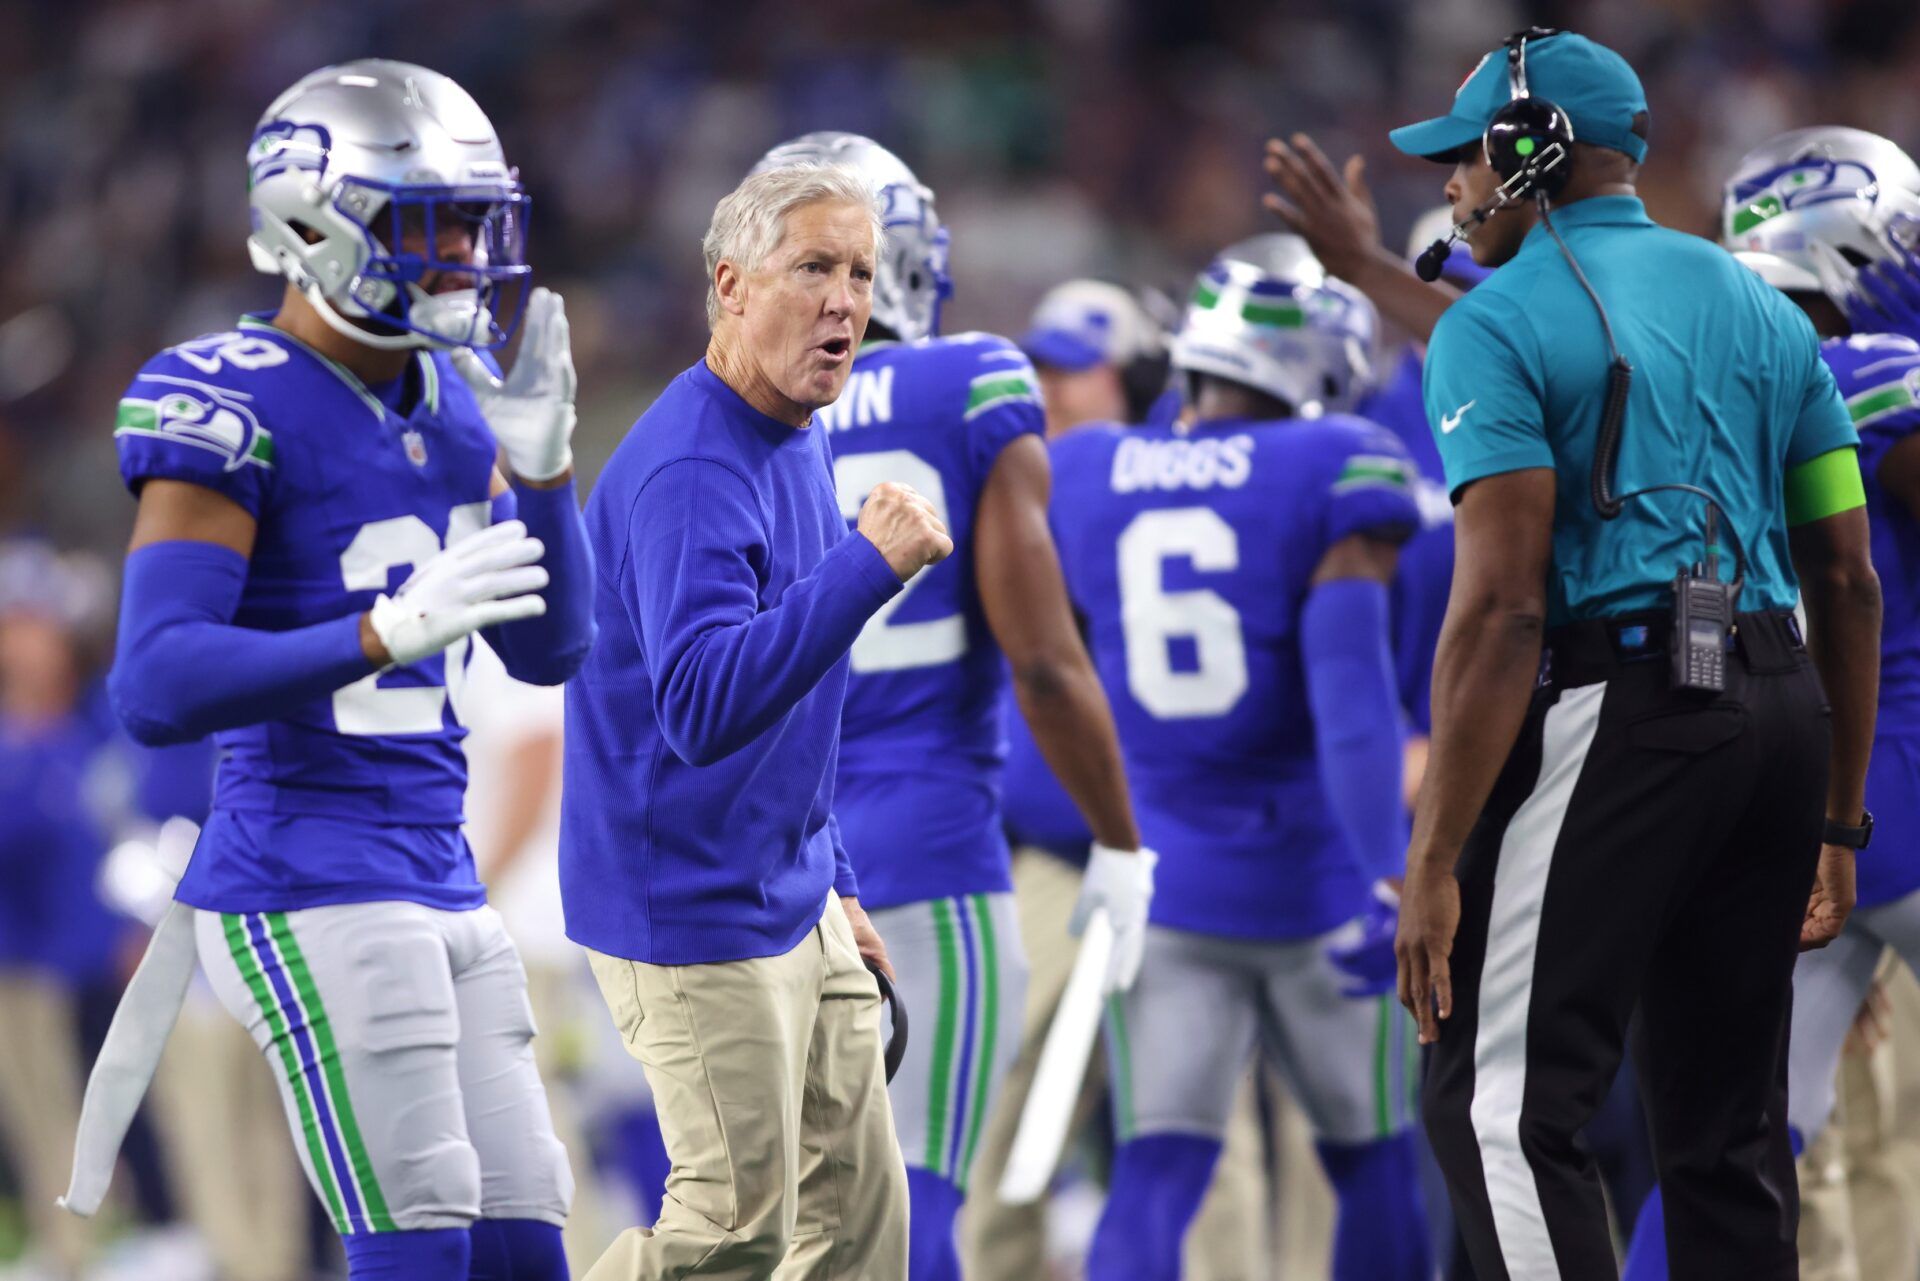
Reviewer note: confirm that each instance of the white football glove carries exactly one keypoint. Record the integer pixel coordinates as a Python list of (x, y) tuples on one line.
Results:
[(531, 410), (485, 578), (1121, 881)]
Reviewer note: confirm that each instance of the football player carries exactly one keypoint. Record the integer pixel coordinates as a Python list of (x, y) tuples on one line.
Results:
[(1235, 577), (324, 522), (917, 792), (1831, 216)]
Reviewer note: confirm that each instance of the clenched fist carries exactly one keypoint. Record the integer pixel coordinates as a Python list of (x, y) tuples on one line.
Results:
[(903, 525)]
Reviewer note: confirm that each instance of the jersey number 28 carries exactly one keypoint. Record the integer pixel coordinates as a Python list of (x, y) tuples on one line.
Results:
[(367, 707), (1153, 617)]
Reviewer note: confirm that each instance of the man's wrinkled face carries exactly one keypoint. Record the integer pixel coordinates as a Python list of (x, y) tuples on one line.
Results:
[(1078, 396), (1473, 184), (805, 308)]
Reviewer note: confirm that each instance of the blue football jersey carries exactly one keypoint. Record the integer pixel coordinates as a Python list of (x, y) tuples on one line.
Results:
[(921, 743), (1879, 376), (349, 497), (1424, 577), (1191, 557)]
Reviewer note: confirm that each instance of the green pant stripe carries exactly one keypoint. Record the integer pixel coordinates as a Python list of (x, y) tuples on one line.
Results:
[(1382, 1090), (336, 1079), (236, 932), (1410, 1046), (945, 1031), (989, 1034), (1123, 1068)]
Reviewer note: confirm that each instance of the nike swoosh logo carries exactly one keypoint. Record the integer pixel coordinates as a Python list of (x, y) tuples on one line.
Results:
[(1450, 421)]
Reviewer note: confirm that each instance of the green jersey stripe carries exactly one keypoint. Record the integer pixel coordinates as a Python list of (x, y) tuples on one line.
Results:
[(1123, 1067), (336, 1079), (1877, 402), (1205, 296), (256, 983), (989, 1033), (945, 1032), (137, 415), (1021, 397), (1000, 383), (142, 417)]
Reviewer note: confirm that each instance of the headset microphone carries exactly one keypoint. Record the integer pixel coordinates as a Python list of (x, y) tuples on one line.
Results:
[(1434, 257)]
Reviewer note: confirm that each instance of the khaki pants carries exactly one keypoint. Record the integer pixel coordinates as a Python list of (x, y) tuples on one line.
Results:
[(773, 1101), (40, 1084), (218, 1107), (1860, 1182)]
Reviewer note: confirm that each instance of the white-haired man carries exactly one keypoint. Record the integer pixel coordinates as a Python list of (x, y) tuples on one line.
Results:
[(700, 861)]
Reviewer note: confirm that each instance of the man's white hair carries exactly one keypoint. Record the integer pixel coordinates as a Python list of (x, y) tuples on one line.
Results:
[(750, 220)]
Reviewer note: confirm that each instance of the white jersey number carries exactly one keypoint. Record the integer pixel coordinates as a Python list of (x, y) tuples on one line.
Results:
[(885, 646), (1151, 616), (242, 351), (365, 707)]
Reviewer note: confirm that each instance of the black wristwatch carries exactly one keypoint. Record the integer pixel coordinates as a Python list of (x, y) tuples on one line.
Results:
[(1854, 838)]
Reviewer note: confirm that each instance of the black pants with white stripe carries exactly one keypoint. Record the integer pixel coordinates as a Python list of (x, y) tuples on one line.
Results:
[(1643, 849)]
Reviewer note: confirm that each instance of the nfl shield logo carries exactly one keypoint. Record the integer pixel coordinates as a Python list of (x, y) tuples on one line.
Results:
[(416, 447)]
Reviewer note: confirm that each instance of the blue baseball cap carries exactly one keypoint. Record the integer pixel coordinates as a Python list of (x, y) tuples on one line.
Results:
[(1084, 323), (1590, 82)]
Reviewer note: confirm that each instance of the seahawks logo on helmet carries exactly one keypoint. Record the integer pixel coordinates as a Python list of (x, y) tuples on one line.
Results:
[(1797, 186), (282, 145), (202, 416)]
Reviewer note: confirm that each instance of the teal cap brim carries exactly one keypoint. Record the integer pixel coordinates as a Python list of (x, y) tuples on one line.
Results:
[(1437, 139)]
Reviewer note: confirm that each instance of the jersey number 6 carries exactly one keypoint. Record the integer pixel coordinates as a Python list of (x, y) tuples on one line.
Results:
[(1152, 618)]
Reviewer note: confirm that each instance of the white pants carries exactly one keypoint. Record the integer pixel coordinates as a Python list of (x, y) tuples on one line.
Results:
[(1179, 1041), (963, 976), (402, 1041)]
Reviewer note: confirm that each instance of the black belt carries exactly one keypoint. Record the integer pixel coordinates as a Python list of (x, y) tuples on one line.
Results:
[(1588, 652)]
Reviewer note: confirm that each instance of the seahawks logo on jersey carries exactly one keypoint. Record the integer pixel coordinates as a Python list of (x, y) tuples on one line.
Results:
[(199, 414)]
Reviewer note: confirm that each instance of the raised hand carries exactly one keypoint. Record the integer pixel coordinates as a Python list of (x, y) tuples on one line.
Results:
[(531, 409), (904, 526)]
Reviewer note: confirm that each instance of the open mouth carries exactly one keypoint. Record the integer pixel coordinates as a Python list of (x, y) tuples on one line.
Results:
[(836, 348)]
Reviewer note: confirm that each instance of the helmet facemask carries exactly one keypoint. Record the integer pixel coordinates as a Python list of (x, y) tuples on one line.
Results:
[(378, 190)]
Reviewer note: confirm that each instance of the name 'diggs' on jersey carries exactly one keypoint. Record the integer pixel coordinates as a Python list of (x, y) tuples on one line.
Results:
[(1192, 556), (921, 745), (349, 496)]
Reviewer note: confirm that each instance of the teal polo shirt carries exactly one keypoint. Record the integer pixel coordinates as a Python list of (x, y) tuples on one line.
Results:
[(1729, 391)]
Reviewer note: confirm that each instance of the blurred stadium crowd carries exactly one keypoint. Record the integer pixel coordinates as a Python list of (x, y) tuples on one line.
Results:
[(1064, 137), (1113, 138)]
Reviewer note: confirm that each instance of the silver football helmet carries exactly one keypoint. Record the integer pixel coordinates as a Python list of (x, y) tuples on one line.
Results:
[(912, 279), (1807, 209), (1265, 314), (367, 177)]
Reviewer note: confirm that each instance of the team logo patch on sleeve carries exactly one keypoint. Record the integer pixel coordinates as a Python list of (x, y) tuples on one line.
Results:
[(1374, 471), (198, 415)]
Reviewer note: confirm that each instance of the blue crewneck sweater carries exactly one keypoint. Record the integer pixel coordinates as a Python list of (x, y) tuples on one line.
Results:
[(703, 732)]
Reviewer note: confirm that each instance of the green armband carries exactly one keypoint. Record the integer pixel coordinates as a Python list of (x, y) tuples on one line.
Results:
[(1825, 486)]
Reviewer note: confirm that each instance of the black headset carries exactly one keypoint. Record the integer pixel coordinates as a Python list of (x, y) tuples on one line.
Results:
[(1528, 145), (1529, 141)]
